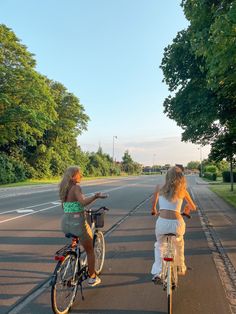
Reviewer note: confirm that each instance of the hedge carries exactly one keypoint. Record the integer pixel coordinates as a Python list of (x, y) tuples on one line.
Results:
[(210, 176), (226, 176)]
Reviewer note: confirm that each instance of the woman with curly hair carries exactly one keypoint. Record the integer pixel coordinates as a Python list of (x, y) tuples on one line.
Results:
[(74, 220), (170, 198)]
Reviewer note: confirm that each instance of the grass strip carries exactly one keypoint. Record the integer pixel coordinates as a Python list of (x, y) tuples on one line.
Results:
[(224, 192), (51, 181)]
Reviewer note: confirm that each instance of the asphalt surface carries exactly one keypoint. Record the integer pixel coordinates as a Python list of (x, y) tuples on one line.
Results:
[(28, 243)]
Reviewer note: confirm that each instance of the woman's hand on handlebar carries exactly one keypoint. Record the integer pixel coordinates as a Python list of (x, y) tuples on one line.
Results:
[(100, 195), (186, 215), (154, 212)]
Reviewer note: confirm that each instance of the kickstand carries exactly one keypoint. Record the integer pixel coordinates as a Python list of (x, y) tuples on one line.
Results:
[(81, 291)]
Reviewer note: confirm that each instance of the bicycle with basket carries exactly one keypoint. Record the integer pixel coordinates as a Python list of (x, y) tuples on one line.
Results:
[(72, 268)]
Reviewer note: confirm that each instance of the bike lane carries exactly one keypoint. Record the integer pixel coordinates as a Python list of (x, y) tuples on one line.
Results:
[(126, 281)]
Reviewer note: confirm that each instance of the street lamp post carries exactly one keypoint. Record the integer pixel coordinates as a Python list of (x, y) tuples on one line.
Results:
[(153, 162), (113, 147)]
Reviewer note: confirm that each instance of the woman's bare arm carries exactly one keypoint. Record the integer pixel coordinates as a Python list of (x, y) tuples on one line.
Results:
[(189, 201), (86, 200), (155, 200)]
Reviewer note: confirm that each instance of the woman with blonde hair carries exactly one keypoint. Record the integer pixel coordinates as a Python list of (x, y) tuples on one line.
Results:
[(170, 198), (74, 220)]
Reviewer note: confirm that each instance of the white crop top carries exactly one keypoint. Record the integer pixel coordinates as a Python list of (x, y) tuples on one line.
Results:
[(165, 204)]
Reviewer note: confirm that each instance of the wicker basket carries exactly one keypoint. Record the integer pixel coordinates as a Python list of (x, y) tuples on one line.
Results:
[(98, 218)]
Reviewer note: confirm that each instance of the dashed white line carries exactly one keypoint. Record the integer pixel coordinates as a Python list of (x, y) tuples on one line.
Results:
[(35, 212), (24, 211)]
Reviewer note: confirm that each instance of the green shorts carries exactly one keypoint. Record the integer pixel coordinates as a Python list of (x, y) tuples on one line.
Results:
[(76, 224)]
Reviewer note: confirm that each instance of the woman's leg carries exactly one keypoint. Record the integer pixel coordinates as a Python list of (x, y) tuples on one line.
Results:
[(87, 242), (156, 267), (88, 246), (180, 259), (158, 247)]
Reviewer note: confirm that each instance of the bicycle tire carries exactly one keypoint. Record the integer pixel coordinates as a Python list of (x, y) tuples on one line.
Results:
[(170, 304), (169, 288), (99, 251), (64, 287)]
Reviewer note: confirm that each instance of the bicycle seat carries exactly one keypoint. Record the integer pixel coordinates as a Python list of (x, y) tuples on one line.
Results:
[(170, 234), (70, 235)]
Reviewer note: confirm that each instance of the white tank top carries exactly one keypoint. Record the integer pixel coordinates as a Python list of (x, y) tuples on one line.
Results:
[(165, 204)]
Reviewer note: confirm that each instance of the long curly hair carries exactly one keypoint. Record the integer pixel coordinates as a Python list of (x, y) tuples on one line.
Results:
[(67, 181), (175, 184)]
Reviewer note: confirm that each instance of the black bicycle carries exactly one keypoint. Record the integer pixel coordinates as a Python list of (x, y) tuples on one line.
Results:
[(72, 268)]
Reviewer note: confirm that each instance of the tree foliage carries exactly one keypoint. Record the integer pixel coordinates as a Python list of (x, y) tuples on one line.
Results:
[(199, 69), (41, 121), (130, 166), (193, 165)]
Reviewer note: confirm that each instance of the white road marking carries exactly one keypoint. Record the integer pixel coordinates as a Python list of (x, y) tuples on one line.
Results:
[(55, 203), (35, 212), (28, 207), (24, 211)]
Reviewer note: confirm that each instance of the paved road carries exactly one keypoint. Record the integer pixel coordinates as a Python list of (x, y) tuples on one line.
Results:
[(31, 235)]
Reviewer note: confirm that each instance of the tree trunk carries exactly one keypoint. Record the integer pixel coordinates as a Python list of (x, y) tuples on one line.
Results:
[(231, 174)]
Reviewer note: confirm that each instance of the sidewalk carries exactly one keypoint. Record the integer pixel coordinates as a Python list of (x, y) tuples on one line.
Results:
[(221, 216), (218, 219)]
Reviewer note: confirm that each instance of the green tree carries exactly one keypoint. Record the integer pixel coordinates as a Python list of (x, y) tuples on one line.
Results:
[(130, 166), (199, 67), (193, 165), (225, 148), (61, 139), (26, 105), (39, 119), (193, 105)]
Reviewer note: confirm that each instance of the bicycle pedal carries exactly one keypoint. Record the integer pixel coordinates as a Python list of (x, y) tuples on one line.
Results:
[(157, 281), (72, 283)]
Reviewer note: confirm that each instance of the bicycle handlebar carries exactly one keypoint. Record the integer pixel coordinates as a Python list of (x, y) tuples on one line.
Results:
[(97, 210), (186, 215)]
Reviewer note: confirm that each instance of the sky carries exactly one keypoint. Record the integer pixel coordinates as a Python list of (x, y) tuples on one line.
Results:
[(108, 53)]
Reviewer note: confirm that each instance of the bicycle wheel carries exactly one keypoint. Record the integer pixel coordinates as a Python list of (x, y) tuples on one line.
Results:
[(99, 251), (169, 288), (64, 284)]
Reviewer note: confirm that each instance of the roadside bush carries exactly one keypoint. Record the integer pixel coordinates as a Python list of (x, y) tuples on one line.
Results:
[(226, 176), (211, 169), (11, 170), (210, 176)]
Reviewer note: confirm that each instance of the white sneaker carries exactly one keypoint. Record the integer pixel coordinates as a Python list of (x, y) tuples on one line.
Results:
[(94, 281), (156, 279)]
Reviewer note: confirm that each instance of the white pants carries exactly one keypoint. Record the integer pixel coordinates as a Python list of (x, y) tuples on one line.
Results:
[(164, 226)]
